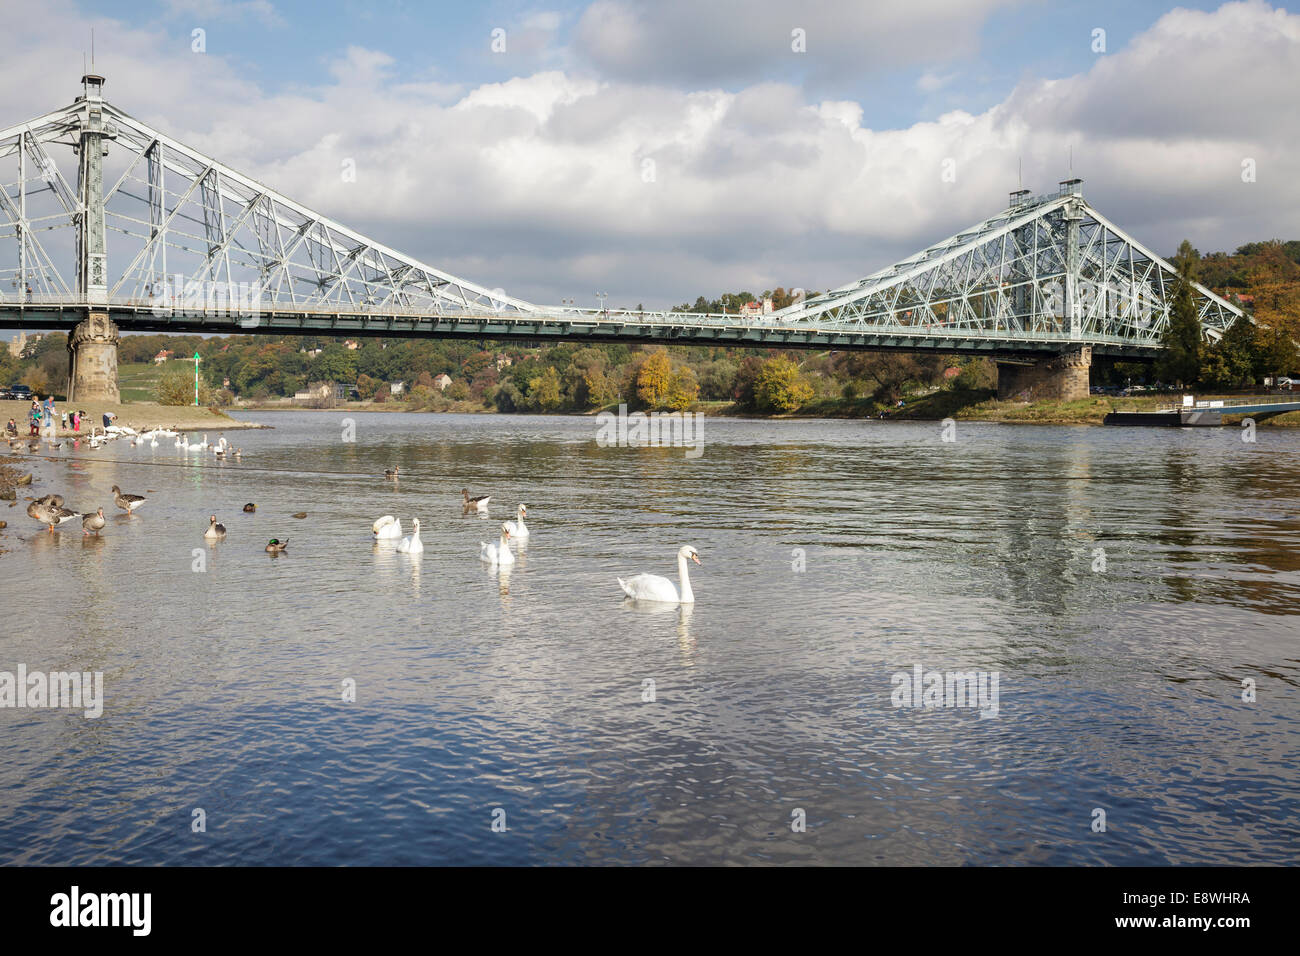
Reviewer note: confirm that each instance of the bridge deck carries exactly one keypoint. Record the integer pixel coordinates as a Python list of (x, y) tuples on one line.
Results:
[(543, 324)]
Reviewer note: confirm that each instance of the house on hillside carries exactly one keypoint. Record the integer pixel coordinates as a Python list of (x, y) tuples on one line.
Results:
[(162, 356), (757, 308), (442, 381), (396, 388), (316, 392)]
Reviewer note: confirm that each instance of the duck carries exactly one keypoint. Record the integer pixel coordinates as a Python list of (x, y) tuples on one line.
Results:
[(250, 508), (275, 545), (386, 527), (49, 514), (215, 530), (652, 587), (239, 455), (518, 529), (498, 553), (392, 472), (412, 545), (127, 503), (475, 504), (92, 524)]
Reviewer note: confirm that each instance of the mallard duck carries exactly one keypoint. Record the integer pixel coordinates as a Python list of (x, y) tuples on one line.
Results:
[(475, 504), (275, 545), (127, 503), (392, 472), (215, 530), (92, 524), (250, 508)]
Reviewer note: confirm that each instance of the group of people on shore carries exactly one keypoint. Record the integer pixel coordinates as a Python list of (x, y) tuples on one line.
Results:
[(43, 418)]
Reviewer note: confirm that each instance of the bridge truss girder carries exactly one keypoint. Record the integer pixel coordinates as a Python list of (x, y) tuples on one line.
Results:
[(1050, 267)]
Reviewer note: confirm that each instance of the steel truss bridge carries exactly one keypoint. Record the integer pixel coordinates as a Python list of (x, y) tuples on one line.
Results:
[(164, 238)]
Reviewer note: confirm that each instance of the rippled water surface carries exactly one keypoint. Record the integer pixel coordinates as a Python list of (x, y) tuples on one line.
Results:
[(1122, 583)]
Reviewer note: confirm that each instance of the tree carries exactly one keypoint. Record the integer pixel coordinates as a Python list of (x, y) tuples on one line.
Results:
[(1181, 361), (653, 379), (683, 389), (176, 387), (367, 386), (544, 392), (780, 386)]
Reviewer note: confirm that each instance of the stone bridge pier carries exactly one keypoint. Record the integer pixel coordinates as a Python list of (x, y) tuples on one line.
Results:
[(92, 353), (1061, 378)]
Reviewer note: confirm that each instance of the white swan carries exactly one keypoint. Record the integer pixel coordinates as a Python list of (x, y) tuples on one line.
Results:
[(153, 441), (180, 440), (651, 587), (203, 444), (518, 529), (412, 544), (386, 527), (498, 553)]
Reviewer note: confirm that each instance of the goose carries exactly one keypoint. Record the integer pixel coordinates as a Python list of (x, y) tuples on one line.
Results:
[(215, 530), (239, 455), (275, 545), (651, 587), (50, 514), (250, 508), (392, 472), (412, 544), (475, 504), (498, 553), (127, 503), (92, 524), (386, 527), (518, 529), (54, 500)]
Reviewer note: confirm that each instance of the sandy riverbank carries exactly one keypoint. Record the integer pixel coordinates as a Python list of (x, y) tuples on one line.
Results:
[(137, 415)]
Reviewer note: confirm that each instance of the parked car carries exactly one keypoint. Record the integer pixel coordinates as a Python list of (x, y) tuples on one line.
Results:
[(22, 393)]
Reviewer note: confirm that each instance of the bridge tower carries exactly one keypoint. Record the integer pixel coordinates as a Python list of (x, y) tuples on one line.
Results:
[(92, 346), (1062, 377)]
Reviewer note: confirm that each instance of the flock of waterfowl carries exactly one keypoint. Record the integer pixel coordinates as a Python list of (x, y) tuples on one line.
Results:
[(98, 437), (50, 511), (639, 587)]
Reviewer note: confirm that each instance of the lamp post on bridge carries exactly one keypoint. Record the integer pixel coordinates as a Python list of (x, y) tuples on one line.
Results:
[(602, 296)]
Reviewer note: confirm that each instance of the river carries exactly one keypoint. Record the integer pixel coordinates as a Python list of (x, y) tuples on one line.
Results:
[(1133, 592)]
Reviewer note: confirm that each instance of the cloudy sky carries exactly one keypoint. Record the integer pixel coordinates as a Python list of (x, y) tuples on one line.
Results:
[(664, 149)]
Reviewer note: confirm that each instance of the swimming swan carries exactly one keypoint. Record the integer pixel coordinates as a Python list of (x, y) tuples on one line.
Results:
[(651, 587), (518, 529), (386, 527), (412, 545), (498, 553)]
